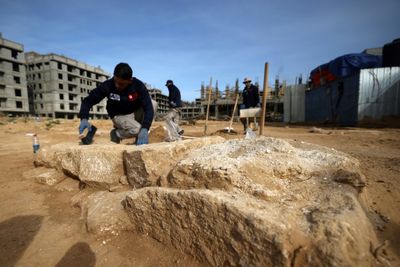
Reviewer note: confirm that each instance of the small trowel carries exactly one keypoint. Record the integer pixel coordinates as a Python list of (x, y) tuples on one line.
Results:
[(87, 136)]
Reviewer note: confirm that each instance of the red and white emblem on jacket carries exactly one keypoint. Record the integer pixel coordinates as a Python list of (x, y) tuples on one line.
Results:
[(133, 96)]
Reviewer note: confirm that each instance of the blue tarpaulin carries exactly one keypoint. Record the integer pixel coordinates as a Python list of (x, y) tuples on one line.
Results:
[(349, 64), (344, 66)]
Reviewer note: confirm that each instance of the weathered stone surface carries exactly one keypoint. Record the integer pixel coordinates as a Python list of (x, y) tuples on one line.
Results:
[(67, 185), (105, 166), (96, 165), (105, 213), (79, 200), (252, 202), (149, 165), (266, 168), (261, 202), (220, 228), (123, 180), (43, 175), (158, 134)]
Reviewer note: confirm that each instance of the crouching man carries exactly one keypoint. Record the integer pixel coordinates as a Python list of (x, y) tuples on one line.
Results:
[(129, 105)]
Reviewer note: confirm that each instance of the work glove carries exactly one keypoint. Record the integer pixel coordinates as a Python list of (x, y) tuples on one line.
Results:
[(172, 104), (83, 125), (242, 106), (258, 105), (143, 137)]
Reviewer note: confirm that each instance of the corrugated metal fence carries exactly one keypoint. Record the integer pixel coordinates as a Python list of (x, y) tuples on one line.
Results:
[(371, 93), (329, 104), (294, 103), (379, 93)]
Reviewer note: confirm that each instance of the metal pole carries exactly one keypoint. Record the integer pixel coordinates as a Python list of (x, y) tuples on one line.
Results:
[(264, 98)]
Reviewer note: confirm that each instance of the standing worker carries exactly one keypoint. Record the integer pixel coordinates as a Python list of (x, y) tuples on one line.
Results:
[(251, 98), (129, 105), (174, 113)]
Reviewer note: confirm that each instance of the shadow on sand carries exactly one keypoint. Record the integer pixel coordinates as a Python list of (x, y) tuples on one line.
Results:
[(16, 234), (78, 255)]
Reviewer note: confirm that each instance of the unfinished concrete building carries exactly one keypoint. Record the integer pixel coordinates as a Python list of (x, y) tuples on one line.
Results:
[(13, 90), (190, 111), (160, 98), (58, 84)]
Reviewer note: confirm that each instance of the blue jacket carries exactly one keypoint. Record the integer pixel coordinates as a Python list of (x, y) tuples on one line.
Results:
[(174, 96), (120, 102), (251, 97)]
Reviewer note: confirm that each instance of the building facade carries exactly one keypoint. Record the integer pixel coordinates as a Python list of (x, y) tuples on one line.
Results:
[(191, 111), (57, 85), (161, 99), (13, 84)]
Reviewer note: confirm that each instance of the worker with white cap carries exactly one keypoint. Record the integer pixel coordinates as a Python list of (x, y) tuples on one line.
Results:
[(251, 98)]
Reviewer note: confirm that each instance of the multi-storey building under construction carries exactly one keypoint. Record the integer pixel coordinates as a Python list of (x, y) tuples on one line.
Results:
[(58, 84), (13, 92)]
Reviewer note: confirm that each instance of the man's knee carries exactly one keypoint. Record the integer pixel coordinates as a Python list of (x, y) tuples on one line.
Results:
[(126, 125)]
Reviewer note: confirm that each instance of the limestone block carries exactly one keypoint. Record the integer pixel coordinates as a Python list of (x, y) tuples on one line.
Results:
[(149, 165), (265, 167), (48, 176), (247, 202), (67, 185), (105, 213), (221, 228), (96, 165)]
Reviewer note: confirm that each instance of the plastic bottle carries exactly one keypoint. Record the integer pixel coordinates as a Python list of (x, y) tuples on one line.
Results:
[(36, 145)]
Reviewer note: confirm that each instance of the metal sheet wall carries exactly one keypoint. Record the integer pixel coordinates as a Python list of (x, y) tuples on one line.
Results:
[(324, 104), (294, 103), (379, 93)]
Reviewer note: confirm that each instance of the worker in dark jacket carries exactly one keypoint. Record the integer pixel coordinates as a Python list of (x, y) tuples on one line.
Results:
[(173, 116), (129, 105), (251, 98)]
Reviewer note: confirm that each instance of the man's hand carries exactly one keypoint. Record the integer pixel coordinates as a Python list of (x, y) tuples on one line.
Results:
[(172, 103), (242, 106), (83, 125), (258, 105), (143, 137)]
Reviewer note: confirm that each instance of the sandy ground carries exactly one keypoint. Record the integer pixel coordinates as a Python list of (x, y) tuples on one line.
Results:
[(40, 227)]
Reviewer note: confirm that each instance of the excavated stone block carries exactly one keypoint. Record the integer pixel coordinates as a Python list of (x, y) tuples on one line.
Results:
[(47, 176), (105, 213), (67, 185), (265, 168), (251, 202), (106, 166), (149, 165), (100, 166), (225, 229)]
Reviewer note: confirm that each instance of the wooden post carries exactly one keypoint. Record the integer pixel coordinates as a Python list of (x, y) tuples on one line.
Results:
[(233, 113), (208, 106), (264, 99)]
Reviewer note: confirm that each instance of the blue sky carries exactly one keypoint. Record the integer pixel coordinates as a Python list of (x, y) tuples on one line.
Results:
[(191, 41)]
